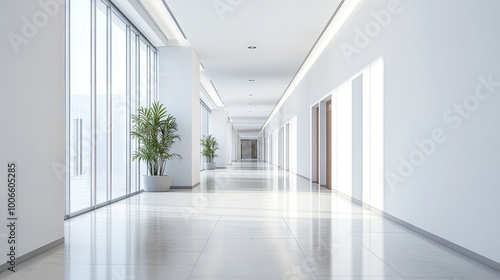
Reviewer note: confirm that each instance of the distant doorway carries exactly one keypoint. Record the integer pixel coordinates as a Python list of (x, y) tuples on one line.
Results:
[(249, 149)]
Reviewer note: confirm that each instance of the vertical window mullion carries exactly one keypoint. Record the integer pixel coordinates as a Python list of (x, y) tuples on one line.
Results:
[(67, 173), (109, 89), (137, 102), (155, 73), (148, 75), (93, 126), (137, 105), (128, 112)]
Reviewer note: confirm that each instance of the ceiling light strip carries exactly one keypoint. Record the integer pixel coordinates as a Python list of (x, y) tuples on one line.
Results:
[(217, 93), (162, 17), (338, 19), (206, 98), (212, 93)]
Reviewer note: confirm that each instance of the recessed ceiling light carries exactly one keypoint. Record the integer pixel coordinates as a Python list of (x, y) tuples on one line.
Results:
[(252, 47)]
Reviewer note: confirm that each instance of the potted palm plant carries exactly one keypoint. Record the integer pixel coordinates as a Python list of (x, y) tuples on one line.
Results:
[(209, 147), (156, 131)]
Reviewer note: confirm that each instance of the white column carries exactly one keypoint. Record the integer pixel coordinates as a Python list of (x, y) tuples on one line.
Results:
[(229, 143), (179, 90)]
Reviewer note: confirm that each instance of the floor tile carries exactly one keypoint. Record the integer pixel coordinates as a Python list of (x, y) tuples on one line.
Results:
[(250, 221), (249, 229)]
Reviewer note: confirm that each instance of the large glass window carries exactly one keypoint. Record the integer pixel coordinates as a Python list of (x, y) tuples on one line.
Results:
[(119, 104), (152, 73), (134, 105), (144, 73), (80, 138), (102, 87), (143, 90), (112, 72), (204, 127)]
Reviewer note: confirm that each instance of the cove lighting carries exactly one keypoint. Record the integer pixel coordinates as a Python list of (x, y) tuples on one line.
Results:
[(339, 19), (162, 16), (209, 88)]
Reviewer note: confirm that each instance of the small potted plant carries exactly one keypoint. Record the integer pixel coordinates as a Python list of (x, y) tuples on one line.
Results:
[(209, 147), (156, 131)]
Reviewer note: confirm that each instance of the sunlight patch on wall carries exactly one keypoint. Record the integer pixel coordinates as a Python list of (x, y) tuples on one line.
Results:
[(373, 134)]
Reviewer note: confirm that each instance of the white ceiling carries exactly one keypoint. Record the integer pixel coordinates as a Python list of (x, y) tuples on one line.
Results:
[(284, 31)]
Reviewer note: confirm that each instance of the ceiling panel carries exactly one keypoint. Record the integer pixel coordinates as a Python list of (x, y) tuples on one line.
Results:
[(220, 31)]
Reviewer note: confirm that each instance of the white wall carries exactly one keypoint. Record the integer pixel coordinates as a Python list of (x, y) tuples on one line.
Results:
[(32, 111), (179, 90), (357, 138), (433, 55)]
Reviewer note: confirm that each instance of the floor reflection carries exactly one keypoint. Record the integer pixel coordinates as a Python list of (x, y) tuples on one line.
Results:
[(249, 221)]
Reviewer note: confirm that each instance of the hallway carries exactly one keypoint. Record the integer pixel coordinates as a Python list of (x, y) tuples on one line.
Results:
[(250, 221)]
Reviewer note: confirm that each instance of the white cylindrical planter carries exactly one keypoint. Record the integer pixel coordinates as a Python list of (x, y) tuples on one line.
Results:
[(210, 165), (156, 183)]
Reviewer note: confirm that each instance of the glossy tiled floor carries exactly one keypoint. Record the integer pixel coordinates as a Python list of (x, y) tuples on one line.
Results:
[(247, 222)]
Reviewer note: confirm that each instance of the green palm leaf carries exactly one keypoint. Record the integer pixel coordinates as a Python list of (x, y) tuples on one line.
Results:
[(209, 147), (156, 130)]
